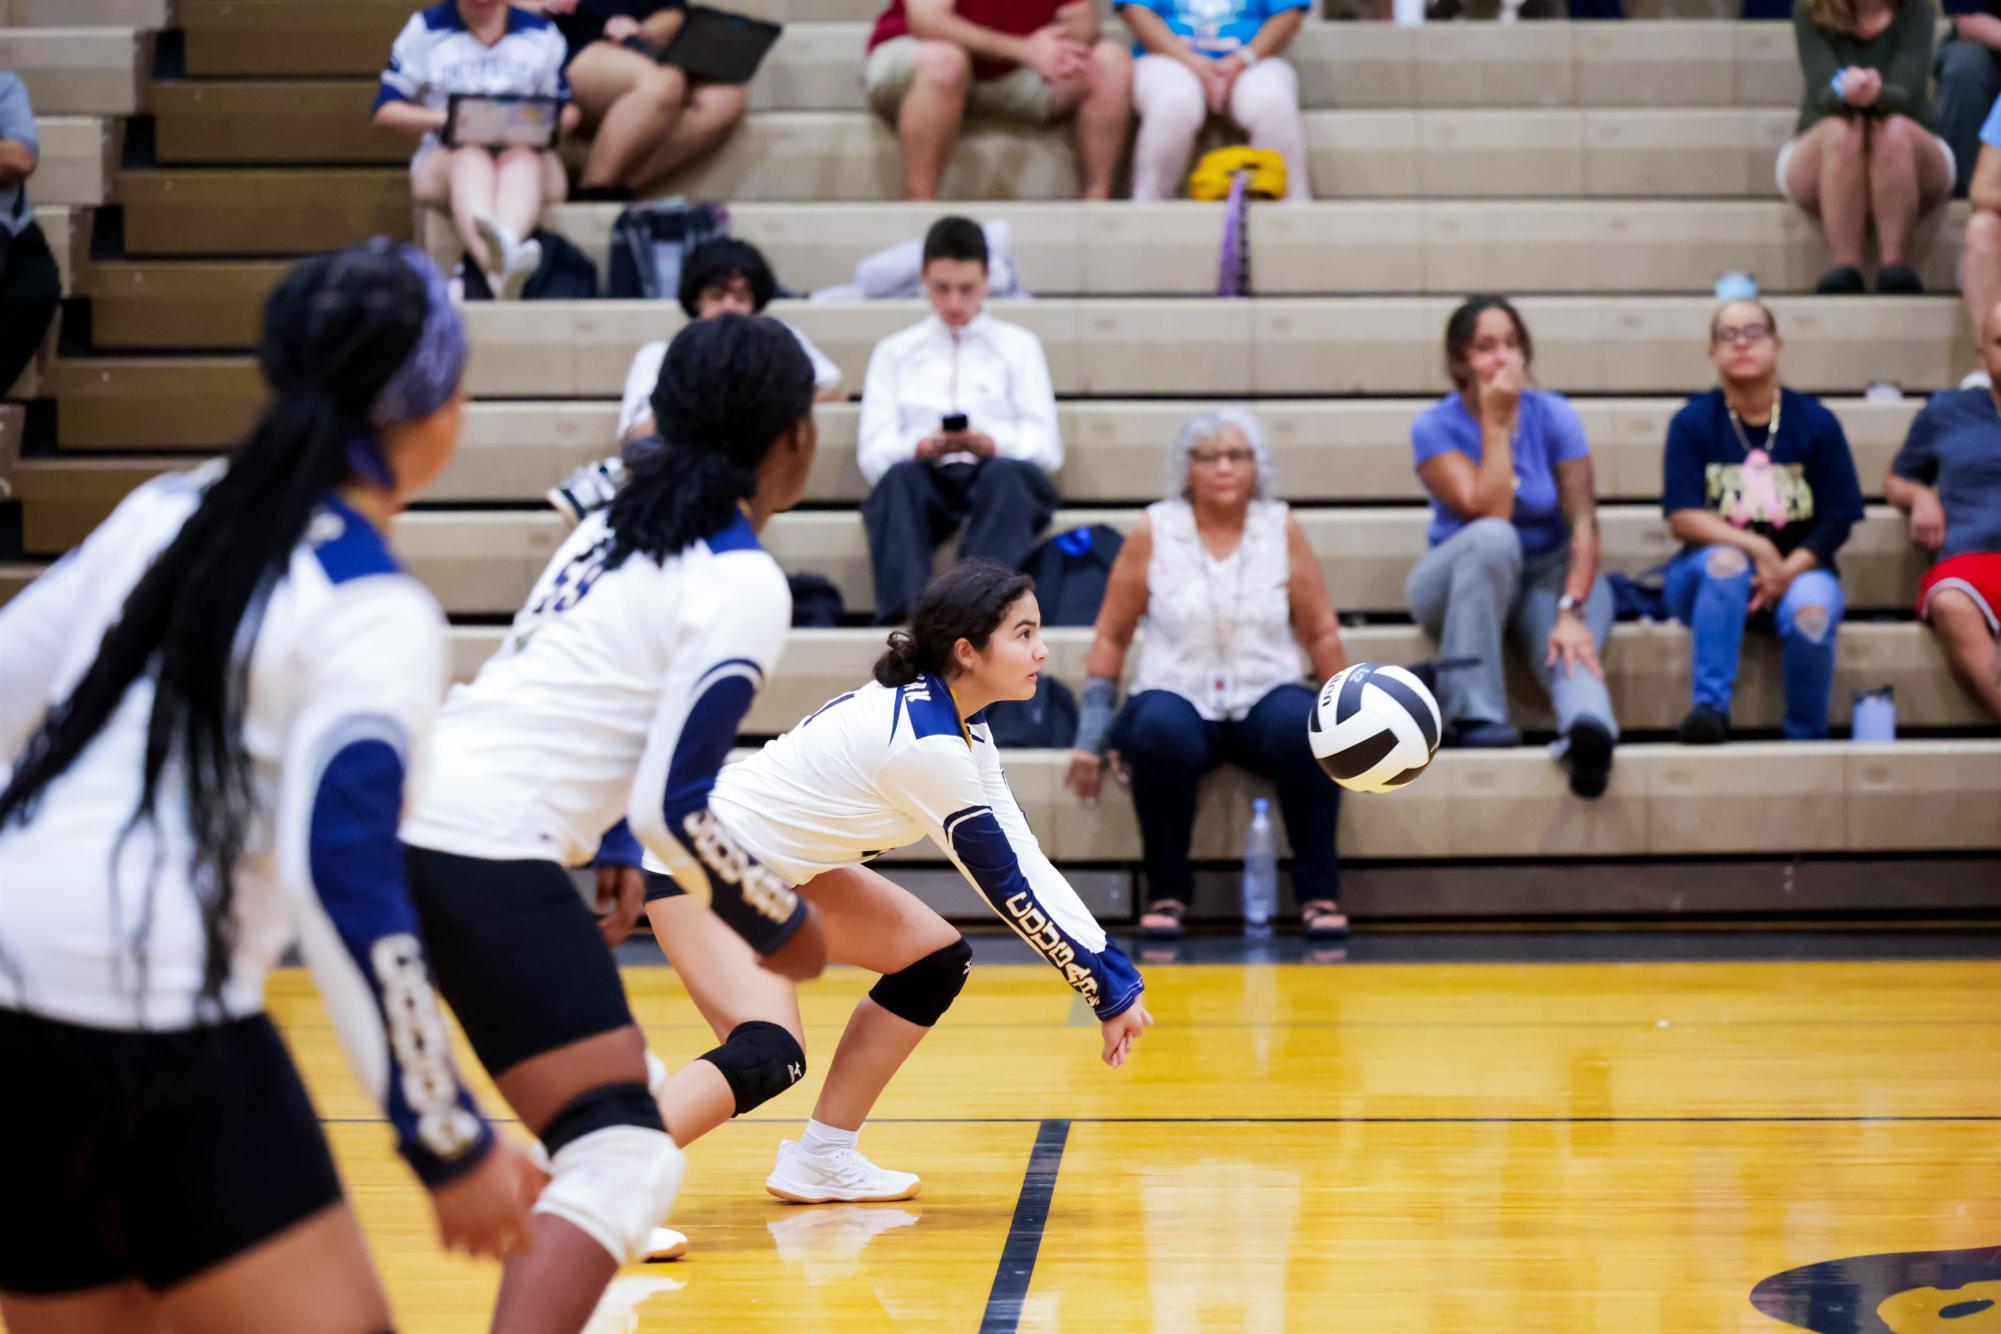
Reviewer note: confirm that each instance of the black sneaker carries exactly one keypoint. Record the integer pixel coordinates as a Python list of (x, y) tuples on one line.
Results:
[(1704, 726), (1899, 280), (1843, 281), (1590, 757)]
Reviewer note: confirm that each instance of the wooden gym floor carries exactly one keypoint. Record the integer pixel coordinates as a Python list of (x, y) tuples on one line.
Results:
[(1585, 1147)]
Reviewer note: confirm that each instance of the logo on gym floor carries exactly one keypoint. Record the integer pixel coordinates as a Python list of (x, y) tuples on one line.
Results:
[(1905, 1292)]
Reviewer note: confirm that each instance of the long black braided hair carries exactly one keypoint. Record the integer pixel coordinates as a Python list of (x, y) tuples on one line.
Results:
[(336, 329)]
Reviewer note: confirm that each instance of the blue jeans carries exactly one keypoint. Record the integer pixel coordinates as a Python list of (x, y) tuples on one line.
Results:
[(1709, 590), (1168, 746)]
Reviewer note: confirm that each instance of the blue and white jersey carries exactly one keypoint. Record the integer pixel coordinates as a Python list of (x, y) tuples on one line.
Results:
[(436, 55), (883, 767), (615, 697), (101, 916)]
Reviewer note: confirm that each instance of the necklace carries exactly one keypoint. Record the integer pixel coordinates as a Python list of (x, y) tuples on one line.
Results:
[(1771, 433)]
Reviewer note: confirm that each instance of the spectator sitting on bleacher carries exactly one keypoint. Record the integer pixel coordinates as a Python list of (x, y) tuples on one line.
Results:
[(721, 276), (1865, 149), (1947, 478), (1198, 58), (1230, 592), (1513, 545), (30, 285), (1758, 484), (1034, 61), (646, 120), (1980, 259), (1968, 69), (489, 48), (958, 424)]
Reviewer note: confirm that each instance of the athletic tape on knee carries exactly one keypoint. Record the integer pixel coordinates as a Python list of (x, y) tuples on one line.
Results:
[(760, 1060), (615, 1185), (599, 1108), (923, 992)]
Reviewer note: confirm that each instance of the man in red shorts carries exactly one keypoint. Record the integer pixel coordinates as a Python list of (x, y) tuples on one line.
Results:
[(1031, 61), (1947, 478)]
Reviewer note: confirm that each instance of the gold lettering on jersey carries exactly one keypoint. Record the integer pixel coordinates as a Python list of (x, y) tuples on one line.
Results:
[(763, 890), (417, 1038), (1033, 925)]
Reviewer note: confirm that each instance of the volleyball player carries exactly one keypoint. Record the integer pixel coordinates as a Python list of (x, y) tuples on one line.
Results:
[(902, 758), (207, 712), (615, 696)]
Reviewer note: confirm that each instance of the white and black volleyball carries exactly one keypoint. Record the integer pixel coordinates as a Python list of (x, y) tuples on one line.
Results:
[(1374, 728)]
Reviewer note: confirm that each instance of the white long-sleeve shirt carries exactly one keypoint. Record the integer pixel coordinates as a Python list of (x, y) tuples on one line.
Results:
[(880, 768), (992, 371), (347, 665), (614, 698)]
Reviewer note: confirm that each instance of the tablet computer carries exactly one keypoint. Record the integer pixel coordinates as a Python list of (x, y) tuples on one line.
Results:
[(720, 47), (501, 120)]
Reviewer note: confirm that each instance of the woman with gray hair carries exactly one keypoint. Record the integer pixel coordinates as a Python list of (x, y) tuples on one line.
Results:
[(1235, 608)]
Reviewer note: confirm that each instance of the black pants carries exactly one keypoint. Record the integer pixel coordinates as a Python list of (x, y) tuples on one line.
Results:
[(30, 289), (1168, 747), (1969, 79), (1004, 503)]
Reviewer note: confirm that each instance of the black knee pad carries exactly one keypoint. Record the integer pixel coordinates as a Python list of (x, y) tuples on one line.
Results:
[(760, 1060), (923, 992), (600, 1108)]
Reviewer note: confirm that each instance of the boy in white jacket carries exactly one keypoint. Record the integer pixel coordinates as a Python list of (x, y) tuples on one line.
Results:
[(958, 425)]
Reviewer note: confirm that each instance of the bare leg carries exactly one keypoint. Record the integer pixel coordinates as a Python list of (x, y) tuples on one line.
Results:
[(116, 1308), (927, 124), (712, 112), (517, 193), (1828, 176), (556, 1285), (634, 102), (1171, 110), (1980, 267), (1969, 647), (729, 987), (1907, 179), (1104, 118), (883, 928), (475, 180)]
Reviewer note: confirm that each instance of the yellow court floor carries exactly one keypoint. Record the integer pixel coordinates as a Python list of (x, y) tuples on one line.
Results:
[(1585, 1148)]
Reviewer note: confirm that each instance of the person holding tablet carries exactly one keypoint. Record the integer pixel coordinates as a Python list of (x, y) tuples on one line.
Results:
[(481, 50), (648, 118)]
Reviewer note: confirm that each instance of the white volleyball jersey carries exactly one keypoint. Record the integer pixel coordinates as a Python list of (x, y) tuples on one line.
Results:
[(880, 768), (615, 696), (436, 55), (100, 919)]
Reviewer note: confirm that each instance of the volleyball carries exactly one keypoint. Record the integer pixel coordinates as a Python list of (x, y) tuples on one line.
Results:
[(1374, 728)]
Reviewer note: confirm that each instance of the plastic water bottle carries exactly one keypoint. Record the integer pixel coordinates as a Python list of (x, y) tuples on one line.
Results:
[(1260, 870)]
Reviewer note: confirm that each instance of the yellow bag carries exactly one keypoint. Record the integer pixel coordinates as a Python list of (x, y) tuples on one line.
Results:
[(1211, 178)]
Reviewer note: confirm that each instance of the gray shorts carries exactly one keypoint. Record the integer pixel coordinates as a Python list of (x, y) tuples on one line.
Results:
[(1018, 95)]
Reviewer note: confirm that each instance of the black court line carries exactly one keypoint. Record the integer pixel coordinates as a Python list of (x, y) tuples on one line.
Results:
[(1024, 1235), (1317, 1121)]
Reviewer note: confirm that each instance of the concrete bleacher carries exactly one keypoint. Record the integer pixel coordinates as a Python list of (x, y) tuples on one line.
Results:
[(1611, 171)]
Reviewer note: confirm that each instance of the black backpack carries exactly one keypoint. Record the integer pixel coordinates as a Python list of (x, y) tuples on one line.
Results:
[(1047, 722), (815, 601), (652, 240), (565, 274), (1070, 572)]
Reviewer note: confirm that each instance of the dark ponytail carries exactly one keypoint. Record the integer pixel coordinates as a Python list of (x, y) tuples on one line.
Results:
[(968, 601), (729, 388), (336, 330)]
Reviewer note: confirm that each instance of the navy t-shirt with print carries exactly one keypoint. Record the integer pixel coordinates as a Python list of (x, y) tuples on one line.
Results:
[(1955, 447), (1806, 497)]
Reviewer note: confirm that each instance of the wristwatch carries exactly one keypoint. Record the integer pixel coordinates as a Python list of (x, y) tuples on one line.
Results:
[(1246, 54), (1569, 602)]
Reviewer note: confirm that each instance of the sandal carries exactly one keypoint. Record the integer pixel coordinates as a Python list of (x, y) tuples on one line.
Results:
[(1162, 920), (1324, 920)]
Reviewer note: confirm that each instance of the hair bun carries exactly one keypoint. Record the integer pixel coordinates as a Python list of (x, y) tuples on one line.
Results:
[(898, 664)]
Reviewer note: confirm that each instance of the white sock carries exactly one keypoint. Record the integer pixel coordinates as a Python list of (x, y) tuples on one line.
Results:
[(820, 1138)]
